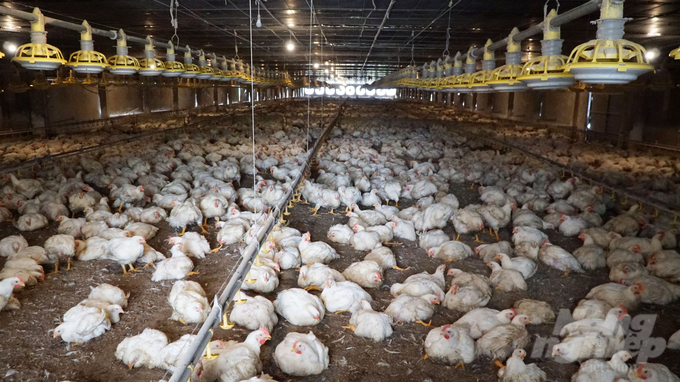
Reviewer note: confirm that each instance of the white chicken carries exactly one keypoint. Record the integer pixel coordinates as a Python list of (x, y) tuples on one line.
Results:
[(516, 370), (367, 274), (499, 342), (188, 302), (301, 355), (405, 308), (299, 307), (178, 266), (368, 323), (343, 296), (88, 324), (253, 312), (451, 250), (143, 349), (314, 276), (316, 252), (523, 265), (450, 344), (479, 321), (12, 244), (340, 233), (126, 251)]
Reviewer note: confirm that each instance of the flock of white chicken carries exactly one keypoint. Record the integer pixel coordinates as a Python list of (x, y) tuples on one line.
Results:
[(364, 169), (645, 174)]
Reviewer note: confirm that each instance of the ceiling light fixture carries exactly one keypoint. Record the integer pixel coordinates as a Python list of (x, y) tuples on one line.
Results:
[(258, 23), (652, 54), (290, 46), (11, 48)]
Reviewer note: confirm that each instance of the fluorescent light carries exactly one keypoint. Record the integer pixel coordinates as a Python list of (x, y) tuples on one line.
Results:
[(291, 25), (290, 11), (316, 65), (655, 19), (290, 46)]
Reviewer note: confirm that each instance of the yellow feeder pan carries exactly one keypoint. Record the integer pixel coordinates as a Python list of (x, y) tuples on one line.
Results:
[(547, 71), (191, 70), (226, 70), (609, 59), (206, 72), (451, 82), (121, 64), (87, 60), (172, 67), (479, 81), (675, 54), (150, 66), (38, 55), (504, 79)]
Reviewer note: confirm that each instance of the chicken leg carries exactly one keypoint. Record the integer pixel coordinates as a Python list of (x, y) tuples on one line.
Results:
[(125, 272), (350, 327), (68, 268), (499, 363), (56, 268), (393, 243), (401, 269), (341, 311), (566, 273), (426, 324), (192, 273), (316, 210), (477, 239), (461, 365), (184, 229), (132, 269), (458, 237), (203, 229), (312, 287), (331, 212), (216, 249)]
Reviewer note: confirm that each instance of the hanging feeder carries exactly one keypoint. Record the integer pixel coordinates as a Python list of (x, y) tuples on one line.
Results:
[(38, 55), (479, 80), (218, 75), (504, 79), (609, 59), (150, 66), (173, 68), (451, 84), (190, 70), (226, 71), (121, 64), (206, 71), (547, 71), (675, 54), (87, 60)]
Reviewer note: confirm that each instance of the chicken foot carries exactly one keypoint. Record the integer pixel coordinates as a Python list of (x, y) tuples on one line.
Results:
[(68, 268), (316, 211), (312, 287), (461, 365), (341, 311), (331, 212), (393, 243), (203, 229), (350, 327), (426, 324), (56, 268), (192, 273), (477, 240), (184, 229), (216, 249), (499, 363), (566, 273), (401, 269)]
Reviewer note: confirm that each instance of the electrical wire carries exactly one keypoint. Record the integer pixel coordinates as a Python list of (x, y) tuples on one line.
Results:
[(365, 20), (309, 96), (448, 34), (252, 88), (375, 38)]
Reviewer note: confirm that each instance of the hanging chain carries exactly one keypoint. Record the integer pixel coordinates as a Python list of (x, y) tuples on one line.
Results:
[(448, 31), (413, 61), (545, 8), (366, 19), (236, 44), (174, 7)]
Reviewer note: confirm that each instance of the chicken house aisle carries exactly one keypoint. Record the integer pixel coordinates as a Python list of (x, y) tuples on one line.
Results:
[(452, 192)]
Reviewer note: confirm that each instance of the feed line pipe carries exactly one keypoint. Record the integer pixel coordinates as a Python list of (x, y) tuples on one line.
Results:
[(203, 337), (564, 18), (80, 28)]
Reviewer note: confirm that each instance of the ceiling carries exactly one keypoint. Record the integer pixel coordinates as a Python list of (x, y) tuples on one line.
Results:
[(343, 31)]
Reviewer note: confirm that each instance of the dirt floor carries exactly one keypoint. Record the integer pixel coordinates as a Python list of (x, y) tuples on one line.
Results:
[(29, 353)]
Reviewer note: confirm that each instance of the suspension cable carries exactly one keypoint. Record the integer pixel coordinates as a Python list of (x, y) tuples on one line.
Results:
[(252, 89)]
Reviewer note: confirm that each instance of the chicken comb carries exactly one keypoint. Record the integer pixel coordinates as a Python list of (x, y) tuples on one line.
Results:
[(20, 279), (624, 308), (514, 311), (264, 330), (639, 286)]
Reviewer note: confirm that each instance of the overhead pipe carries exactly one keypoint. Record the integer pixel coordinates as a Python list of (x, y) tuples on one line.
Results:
[(81, 28), (566, 17)]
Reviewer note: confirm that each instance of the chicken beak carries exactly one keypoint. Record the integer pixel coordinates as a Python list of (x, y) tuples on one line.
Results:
[(269, 337), (56, 335), (522, 356)]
